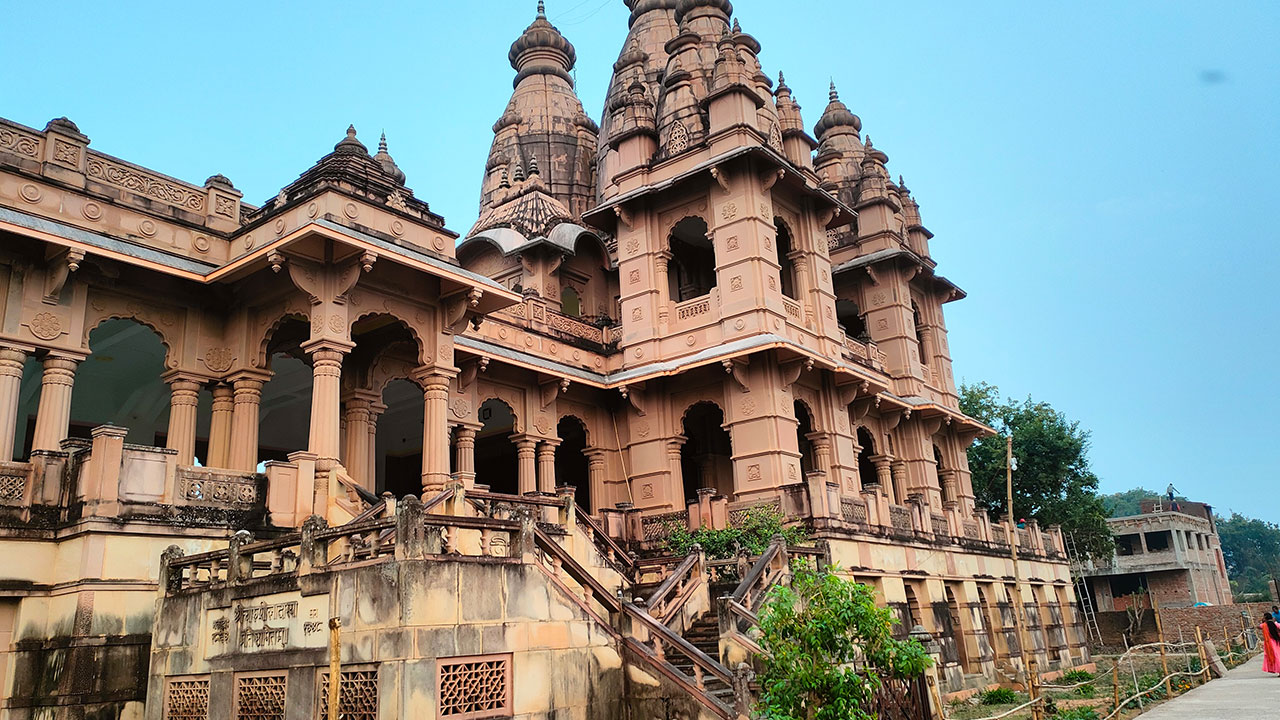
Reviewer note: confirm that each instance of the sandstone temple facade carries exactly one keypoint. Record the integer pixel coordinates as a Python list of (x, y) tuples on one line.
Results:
[(223, 424)]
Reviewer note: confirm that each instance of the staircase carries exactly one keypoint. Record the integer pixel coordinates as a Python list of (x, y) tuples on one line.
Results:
[(704, 634)]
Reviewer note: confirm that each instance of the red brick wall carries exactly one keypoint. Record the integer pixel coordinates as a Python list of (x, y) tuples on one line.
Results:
[(1211, 620)]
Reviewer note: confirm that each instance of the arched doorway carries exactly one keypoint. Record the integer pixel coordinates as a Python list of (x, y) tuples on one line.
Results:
[(120, 384), (956, 631), (691, 272), (496, 463), (851, 321), (804, 428), (706, 458), (571, 459), (867, 474), (398, 443), (942, 484), (284, 415), (786, 265)]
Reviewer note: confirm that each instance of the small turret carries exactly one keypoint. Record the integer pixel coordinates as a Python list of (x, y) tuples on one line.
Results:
[(388, 164), (797, 145)]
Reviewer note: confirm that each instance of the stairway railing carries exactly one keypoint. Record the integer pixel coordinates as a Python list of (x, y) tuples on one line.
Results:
[(653, 639)]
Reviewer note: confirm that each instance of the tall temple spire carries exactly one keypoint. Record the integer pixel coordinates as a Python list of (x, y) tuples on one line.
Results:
[(545, 119)]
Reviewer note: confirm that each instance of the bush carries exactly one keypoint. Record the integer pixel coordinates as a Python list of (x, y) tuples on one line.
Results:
[(1146, 680), (826, 647), (752, 535), (1077, 713), (1072, 677), (998, 696)]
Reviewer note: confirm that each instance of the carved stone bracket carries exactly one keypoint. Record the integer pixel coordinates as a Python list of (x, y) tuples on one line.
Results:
[(791, 371), (61, 265), (737, 369), (771, 177), (721, 178), (623, 214), (635, 396)]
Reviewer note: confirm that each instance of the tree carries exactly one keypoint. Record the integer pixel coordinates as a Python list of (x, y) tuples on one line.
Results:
[(1053, 482), (826, 646), (1251, 551), (1129, 502)]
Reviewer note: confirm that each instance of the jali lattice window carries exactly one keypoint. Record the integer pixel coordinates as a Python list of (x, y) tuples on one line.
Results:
[(475, 687), (260, 697), (357, 695), (187, 699)]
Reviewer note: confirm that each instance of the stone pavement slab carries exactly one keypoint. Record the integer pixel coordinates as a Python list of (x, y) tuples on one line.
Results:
[(1244, 694)]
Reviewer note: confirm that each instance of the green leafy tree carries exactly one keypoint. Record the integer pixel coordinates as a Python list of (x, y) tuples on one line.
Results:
[(1129, 502), (1053, 483), (1251, 551), (826, 647)]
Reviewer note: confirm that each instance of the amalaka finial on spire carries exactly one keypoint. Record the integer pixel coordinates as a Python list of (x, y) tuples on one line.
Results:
[(382, 142), (504, 181), (350, 143), (533, 165), (542, 9), (736, 27), (519, 173), (868, 143), (832, 95)]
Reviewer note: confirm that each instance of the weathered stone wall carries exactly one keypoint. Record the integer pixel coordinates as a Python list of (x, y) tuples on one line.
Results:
[(401, 619)]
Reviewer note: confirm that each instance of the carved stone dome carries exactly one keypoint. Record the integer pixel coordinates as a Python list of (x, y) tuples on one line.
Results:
[(836, 115)]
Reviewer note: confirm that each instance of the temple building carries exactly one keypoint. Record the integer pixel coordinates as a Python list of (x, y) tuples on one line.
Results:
[(235, 435)]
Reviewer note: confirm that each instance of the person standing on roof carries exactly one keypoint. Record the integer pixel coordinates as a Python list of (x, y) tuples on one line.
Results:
[(1170, 491)]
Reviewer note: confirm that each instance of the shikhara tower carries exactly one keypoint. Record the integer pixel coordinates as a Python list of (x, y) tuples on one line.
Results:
[(689, 313)]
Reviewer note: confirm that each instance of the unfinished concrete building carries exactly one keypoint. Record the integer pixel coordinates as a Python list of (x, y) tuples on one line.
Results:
[(1169, 550)]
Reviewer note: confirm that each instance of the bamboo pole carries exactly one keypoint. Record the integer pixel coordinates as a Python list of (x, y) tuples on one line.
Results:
[(1204, 660), (1164, 659), (335, 665), (1115, 684), (1019, 607)]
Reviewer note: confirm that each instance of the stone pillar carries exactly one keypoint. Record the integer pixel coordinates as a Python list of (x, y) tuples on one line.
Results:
[(547, 466), (356, 412), (220, 426), (595, 478), (326, 403), (464, 447), (947, 483), (677, 473), (435, 429), (883, 474), (821, 451), (855, 466), (376, 408), (662, 261), (11, 362), (53, 417), (527, 467), (246, 396), (184, 394), (899, 472)]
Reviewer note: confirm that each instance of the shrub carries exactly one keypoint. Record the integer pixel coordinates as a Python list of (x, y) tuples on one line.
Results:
[(752, 535), (1072, 677), (1077, 713), (826, 646), (1086, 691), (998, 696)]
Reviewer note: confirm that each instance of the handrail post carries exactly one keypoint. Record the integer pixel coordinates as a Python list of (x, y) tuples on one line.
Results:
[(410, 531), (312, 552), (526, 544), (170, 577), (239, 568), (568, 507)]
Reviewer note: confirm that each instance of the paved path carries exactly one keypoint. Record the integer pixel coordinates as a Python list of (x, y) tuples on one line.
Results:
[(1245, 693)]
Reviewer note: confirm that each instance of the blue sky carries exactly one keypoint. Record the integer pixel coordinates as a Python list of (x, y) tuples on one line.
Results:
[(1101, 177)]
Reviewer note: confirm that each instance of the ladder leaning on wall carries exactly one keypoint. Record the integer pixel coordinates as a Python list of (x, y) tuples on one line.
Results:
[(1083, 599)]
